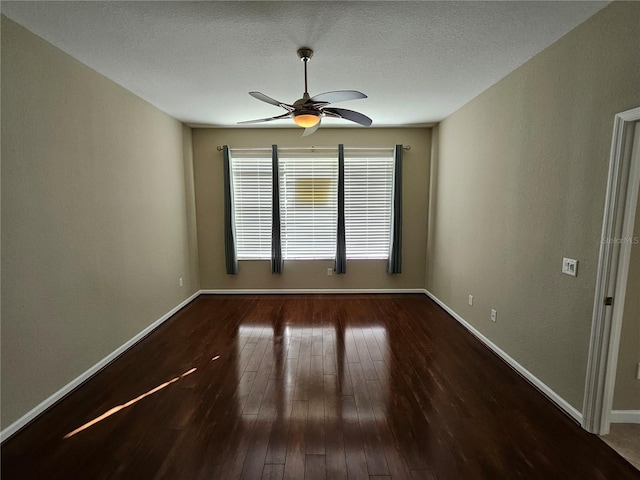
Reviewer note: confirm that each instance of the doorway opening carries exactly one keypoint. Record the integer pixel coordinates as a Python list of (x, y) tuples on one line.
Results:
[(613, 270)]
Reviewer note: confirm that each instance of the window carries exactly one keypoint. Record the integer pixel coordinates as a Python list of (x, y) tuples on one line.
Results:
[(308, 204), (367, 205), (252, 205)]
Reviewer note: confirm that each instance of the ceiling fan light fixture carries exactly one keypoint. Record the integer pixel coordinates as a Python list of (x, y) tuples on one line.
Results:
[(306, 120)]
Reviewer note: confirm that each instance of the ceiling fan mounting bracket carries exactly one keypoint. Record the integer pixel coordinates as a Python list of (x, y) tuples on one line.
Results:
[(305, 54)]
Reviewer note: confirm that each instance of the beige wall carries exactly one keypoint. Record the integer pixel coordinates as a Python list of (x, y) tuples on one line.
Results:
[(627, 388), (309, 274), (518, 182), (95, 230)]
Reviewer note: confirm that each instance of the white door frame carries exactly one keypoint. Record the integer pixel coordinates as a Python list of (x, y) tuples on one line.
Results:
[(613, 266)]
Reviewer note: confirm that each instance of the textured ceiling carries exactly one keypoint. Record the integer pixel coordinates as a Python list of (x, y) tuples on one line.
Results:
[(417, 61)]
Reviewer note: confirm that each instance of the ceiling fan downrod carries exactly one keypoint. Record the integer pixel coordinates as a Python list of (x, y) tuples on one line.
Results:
[(305, 55)]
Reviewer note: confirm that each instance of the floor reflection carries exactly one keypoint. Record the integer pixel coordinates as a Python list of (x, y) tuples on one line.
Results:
[(321, 364), (118, 408)]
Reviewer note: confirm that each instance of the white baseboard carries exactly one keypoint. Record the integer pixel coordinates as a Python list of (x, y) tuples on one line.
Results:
[(625, 416), (34, 412), (531, 378), (294, 291)]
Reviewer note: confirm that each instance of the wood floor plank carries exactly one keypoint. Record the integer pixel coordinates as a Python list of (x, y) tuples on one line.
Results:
[(308, 386), (294, 466), (335, 462), (396, 464), (353, 442), (422, 475), (316, 340), (277, 450), (259, 443), (273, 472), (329, 351), (315, 432), (373, 450), (303, 376), (315, 467), (263, 373), (239, 442)]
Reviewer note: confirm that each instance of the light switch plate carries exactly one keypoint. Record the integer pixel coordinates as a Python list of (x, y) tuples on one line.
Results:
[(570, 266)]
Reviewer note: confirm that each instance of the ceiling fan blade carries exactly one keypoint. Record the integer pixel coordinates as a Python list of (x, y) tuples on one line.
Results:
[(348, 115), (310, 130), (279, 117), (264, 98), (337, 96)]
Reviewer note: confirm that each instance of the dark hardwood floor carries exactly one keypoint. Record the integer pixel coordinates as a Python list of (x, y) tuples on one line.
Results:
[(308, 387)]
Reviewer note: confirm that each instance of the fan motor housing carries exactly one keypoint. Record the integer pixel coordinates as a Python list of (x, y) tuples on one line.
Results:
[(305, 111), (301, 101)]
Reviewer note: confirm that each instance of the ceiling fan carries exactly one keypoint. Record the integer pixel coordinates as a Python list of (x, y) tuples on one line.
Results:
[(307, 111)]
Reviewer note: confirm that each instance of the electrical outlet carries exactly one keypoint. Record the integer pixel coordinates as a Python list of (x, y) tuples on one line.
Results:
[(470, 299), (180, 282), (494, 315), (329, 271), (570, 266)]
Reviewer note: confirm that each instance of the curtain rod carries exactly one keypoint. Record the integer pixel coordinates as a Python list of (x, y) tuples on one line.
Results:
[(268, 149)]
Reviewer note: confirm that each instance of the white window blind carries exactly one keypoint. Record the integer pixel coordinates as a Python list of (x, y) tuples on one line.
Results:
[(367, 198), (308, 206), (252, 205)]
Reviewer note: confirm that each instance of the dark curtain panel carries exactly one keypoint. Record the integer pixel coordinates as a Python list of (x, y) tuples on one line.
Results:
[(340, 265), (395, 246), (276, 245), (231, 257)]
